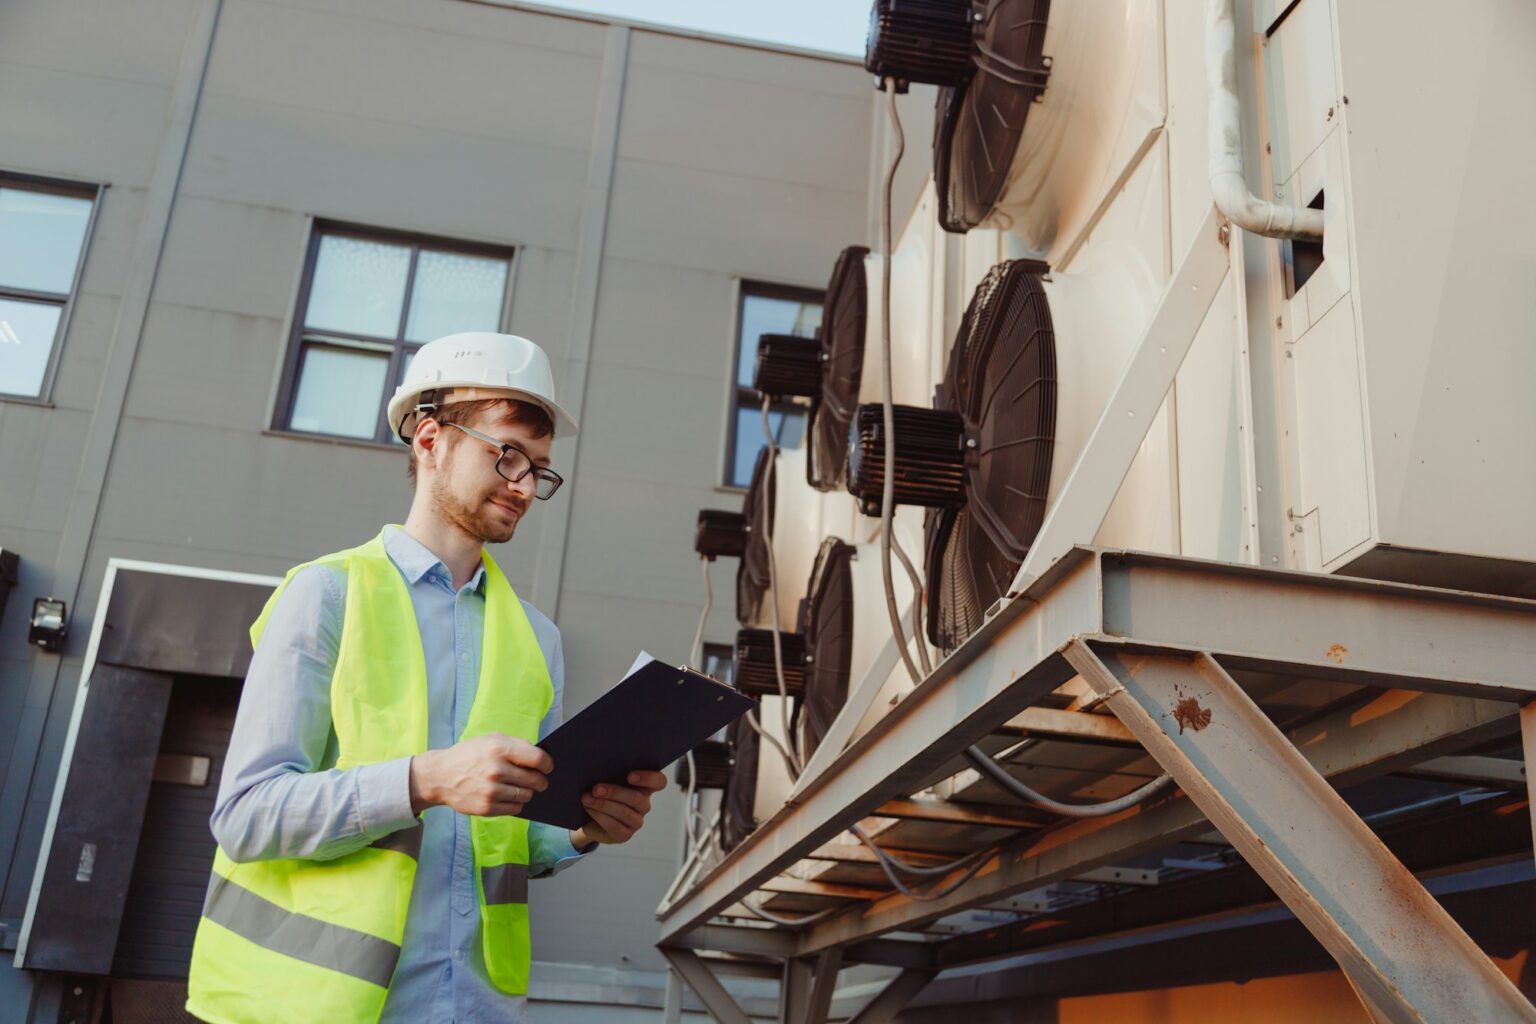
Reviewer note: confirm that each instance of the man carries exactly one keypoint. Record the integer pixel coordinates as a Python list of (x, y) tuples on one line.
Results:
[(371, 863)]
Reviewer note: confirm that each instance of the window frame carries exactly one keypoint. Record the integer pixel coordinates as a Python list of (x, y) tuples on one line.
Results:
[(744, 396), (95, 192), (287, 393)]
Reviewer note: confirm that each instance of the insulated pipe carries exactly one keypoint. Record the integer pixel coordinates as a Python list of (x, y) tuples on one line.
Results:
[(1228, 185)]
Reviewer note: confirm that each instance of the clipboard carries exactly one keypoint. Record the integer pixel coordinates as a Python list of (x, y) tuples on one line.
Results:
[(649, 719)]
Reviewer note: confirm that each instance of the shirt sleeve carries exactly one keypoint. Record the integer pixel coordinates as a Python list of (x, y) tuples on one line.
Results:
[(549, 846), (278, 796)]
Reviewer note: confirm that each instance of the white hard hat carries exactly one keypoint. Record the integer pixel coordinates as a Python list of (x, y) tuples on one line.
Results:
[(475, 365)]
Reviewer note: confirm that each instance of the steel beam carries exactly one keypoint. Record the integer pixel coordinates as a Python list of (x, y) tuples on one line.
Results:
[(717, 1001), (1410, 961), (776, 942), (1489, 772), (893, 998), (1392, 731), (979, 815), (1324, 627), (819, 1003), (1078, 511), (1051, 724)]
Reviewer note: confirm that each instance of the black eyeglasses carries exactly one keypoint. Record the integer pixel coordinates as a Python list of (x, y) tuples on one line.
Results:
[(515, 464)]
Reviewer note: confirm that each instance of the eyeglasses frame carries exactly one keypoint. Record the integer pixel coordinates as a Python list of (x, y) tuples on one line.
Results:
[(539, 472)]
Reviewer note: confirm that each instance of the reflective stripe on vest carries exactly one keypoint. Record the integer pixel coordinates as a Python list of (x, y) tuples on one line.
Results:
[(318, 941)]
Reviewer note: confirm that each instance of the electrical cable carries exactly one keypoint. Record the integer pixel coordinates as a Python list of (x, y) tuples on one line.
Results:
[(917, 604), (888, 409), (978, 858), (791, 922), (886, 857), (1000, 775)]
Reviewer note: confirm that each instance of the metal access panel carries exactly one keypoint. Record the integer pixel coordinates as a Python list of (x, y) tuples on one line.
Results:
[(1411, 345), (126, 850)]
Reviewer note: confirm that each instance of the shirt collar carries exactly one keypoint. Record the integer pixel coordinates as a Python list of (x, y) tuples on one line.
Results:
[(415, 561)]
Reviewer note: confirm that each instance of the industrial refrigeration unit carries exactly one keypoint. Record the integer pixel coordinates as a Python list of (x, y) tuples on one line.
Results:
[(1161, 544)]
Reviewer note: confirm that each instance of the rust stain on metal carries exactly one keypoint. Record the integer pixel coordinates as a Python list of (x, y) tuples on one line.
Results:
[(1188, 712), (1336, 653)]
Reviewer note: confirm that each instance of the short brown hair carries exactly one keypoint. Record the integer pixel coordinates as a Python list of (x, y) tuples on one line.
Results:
[(523, 414)]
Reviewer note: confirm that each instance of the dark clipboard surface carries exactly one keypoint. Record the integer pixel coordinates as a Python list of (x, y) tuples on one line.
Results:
[(652, 717)]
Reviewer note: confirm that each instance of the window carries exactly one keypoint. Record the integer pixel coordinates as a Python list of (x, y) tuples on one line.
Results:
[(719, 661), (765, 309), (369, 300), (43, 227)]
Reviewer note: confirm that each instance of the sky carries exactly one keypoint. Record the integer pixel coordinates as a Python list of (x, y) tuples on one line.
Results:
[(837, 26)]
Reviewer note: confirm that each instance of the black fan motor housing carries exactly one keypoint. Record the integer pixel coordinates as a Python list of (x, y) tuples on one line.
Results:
[(919, 41), (720, 534), (712, 761), (930, 457), (788, 366), (755, 672)]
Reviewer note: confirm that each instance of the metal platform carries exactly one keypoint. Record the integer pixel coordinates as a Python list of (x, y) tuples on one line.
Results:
[(1261, 692)]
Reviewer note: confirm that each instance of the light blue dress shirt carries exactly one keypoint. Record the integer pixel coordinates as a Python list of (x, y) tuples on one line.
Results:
[(282, 796)]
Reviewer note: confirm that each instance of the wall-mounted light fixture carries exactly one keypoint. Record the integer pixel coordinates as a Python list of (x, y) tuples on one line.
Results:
[(50, 624)]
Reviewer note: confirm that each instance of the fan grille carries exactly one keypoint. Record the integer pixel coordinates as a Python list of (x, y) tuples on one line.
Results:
[(1002, 382), (930, 457), (980, 121), (738, 817), (720, 534), (752, 573), (787, 366), (919, 41), (842, 357), (827, 622), (755, 671)]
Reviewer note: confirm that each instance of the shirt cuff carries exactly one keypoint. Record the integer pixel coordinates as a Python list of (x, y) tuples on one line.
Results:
[(384, 797)]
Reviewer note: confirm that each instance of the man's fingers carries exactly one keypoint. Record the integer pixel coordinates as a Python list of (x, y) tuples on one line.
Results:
[(528, 778), (526, 755), (616, 830), (625, 815), (638, 799), (651, 782)]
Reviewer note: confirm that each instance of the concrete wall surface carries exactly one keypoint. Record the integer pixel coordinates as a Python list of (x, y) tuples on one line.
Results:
[(638, 175)]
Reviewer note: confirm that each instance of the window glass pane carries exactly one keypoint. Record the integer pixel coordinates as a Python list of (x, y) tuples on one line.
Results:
[(338, 391), (788, 432), (40, 237), (719, 661), (358, 287), (454, 292), (762, 315), (26, 339)]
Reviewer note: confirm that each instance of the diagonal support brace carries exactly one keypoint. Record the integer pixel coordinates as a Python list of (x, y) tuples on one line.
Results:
[(1404, 954), (705, 985)]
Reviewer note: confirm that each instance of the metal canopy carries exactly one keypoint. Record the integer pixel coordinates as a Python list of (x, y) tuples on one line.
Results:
[(1173, 647)]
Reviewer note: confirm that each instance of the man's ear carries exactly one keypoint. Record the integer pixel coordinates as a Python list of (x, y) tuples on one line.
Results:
[(424, 441)]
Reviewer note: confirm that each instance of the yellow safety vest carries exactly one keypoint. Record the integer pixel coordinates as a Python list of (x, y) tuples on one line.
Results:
[(304, 941)]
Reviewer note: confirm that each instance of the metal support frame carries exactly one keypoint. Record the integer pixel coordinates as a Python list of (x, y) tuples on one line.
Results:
[(1401, 950), (1453, 668)]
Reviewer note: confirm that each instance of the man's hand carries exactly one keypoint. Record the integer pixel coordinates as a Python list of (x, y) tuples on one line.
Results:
[(617, 812), (488, 776)]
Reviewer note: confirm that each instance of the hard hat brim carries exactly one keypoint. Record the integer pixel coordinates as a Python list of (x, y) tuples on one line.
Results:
[(402, 416)]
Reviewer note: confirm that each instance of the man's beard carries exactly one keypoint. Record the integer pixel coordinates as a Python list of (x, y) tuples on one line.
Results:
[(475, 518)]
